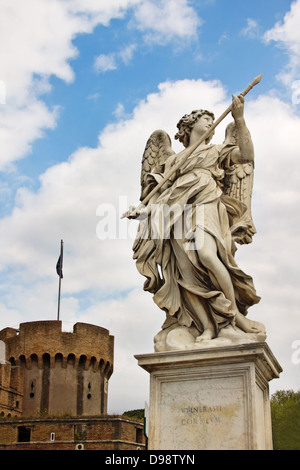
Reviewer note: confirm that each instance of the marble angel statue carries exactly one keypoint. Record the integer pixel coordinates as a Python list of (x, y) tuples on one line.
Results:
[(188, 231)]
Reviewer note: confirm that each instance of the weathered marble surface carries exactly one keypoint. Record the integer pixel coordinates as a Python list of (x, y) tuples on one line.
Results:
[(181, 338), (211, 399)]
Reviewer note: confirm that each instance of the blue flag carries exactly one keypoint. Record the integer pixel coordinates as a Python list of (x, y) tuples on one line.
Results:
[(59, 266)]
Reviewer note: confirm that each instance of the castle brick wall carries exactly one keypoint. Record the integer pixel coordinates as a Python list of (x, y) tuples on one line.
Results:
[(105, 433), (11, 390)]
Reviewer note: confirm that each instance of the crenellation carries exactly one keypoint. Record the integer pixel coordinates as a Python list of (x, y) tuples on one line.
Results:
[(59, 366)]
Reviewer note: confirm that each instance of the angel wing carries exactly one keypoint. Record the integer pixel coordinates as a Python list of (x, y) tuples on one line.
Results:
[(238, 184), (158, 149)]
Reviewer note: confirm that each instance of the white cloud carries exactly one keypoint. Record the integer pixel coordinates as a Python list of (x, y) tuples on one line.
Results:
[(20, 126), (94, 96), (101, 284), (120, 111), (164, 20), (252, 30), (127, 52), (100, 12), (286, 34), (105, 62)]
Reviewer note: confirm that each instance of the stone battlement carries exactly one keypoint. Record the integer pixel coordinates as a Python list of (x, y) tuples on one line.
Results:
[(62, 372), (88, 344)]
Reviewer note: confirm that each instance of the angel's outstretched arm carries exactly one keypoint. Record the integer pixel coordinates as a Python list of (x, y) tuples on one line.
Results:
[(245, 152)]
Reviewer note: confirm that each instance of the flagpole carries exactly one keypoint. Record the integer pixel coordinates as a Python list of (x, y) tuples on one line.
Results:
[(60, 276)]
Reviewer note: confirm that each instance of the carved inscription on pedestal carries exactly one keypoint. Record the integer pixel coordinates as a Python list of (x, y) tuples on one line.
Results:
[(205, 413)]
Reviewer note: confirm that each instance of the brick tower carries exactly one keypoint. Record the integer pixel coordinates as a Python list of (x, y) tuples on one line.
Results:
[(64, 373)]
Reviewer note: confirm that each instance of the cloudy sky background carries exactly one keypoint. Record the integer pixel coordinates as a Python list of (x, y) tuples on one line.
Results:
[(83, 83)]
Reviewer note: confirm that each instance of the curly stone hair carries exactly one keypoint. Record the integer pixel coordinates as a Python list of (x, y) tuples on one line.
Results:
[(186, 124)]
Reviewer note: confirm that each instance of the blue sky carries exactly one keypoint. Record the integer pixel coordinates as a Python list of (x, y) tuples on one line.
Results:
[(86, 82), (227, 41)]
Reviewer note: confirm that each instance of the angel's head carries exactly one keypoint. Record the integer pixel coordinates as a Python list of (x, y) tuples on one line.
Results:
[(187, 123)]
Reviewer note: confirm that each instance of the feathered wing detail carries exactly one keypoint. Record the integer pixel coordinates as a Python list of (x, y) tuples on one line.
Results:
[(238, 184), (158, 149)]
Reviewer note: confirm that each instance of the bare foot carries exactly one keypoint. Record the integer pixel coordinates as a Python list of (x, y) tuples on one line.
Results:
[(249, 326), (206, 335)]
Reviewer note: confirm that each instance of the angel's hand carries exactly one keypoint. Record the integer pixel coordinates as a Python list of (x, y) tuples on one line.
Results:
[(237, 109), (132, 213), (135, 213)]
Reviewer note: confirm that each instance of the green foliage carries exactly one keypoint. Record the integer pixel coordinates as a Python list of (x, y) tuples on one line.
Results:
[(137, 415), (285, 409)]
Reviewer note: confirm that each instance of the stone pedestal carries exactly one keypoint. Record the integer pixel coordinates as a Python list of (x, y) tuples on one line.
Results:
[(214, 399)]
